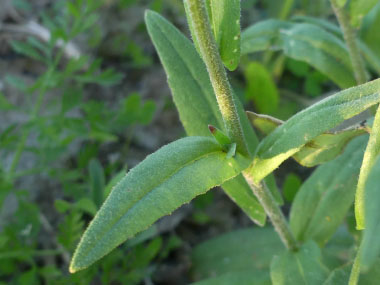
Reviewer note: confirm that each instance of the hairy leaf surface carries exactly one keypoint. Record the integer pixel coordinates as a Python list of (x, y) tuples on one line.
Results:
[(303, 267), (290, 137), (165, 180), (325, 197)]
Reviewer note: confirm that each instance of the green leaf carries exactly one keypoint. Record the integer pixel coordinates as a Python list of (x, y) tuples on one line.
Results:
[(196, 102), (165, 180), (327, 146), (86, 205), (304, 42), (371, 153), (360, 8), (264, 123), (324, 199), (225, 22), (250, 277), (341, 3), (306, 125), (238, 190), (27, 49), (261, 88), (339, 276), (5, 105), (368, 33), (291, 186), (370, 247), (224, 16), (248, 249), (220, 137), (187, 77), (97, 181), (301, 267), (323, 148)]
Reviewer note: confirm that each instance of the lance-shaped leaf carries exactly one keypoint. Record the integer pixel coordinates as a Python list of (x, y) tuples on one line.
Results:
[(303, 267), (187, 77), (290, 137), (323, 148), (304, 42), (325, 197), (370, 247), (373, 59), (371, 153), (165, 180), (264, 35), (196, 102)]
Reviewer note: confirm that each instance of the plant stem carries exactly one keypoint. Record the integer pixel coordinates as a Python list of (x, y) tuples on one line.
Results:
[(273, 211), (222, 88), (355, 271), (350, 38), (209, 52)]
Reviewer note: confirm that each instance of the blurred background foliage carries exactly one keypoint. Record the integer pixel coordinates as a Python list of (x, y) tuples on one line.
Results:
[(83, 98)]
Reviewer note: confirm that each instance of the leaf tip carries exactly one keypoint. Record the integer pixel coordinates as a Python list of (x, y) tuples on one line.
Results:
[(73, 268), (212, 129), (148, 14)]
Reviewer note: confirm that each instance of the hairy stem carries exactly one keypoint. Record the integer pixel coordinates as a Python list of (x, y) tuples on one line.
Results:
[(222, 88), (350, 38), (355, 271), (209, 52), (273, 211)]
